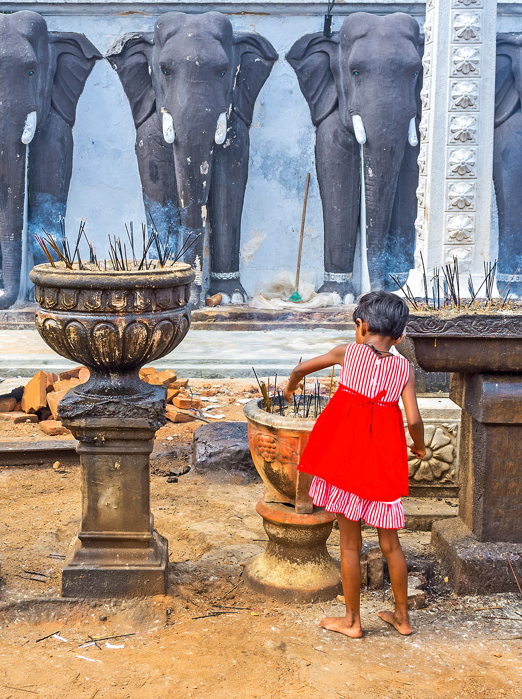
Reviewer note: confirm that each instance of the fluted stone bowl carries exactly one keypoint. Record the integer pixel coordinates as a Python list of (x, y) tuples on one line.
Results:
[(113, 322)]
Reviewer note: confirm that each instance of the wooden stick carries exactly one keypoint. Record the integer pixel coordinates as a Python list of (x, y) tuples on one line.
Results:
[(514, 574), (298, 272)]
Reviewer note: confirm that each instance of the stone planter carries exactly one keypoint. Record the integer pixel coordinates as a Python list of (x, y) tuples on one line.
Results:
[(296, 565), (114, 322), (484, 354)]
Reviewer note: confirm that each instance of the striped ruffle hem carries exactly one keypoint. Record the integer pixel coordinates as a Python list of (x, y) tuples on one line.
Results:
[(383, 515)]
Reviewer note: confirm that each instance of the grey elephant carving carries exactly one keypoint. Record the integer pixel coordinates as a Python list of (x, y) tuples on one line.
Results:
[(192, 85), (507, 159), (42, 77), (362, 85)]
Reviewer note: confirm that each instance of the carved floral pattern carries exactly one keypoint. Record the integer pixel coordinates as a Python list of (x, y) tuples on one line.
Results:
[(464, 95), (464, 257), (462, 162), (461, 195), (467, 26), (467, 3), (463, 128), (439, 462), (466, 60), (465, 326), (428, 30), (460, 228)]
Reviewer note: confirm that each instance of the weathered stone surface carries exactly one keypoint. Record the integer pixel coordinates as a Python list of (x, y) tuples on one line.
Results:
[(53, 428), (421, 513), (17, 417), (53, 399), (35, 393), (7, 405), (173, 460), (223, 447), (375, 569), (416, 598)]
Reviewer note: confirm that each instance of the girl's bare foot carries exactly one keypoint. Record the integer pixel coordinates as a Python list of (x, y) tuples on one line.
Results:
[(401, 623), (342, 624)]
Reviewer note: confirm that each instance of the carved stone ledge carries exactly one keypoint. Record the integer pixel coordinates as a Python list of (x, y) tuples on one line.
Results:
[(466, 326)]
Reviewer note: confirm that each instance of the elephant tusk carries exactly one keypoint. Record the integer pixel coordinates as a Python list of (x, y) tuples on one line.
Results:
[(221, 129), (359, 130), (29, 128), (168, 127), (412, 133)]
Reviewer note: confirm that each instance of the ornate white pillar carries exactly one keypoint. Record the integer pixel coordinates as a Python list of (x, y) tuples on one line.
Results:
[(456, 154)]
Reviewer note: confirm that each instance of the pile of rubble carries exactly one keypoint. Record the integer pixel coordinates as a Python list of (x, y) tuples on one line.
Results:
[(38, 400)]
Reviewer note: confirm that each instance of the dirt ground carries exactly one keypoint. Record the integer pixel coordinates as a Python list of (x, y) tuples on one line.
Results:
[(211, 636)]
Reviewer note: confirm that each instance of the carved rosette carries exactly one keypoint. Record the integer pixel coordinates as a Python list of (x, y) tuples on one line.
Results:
[(439, 466), (112, 322)]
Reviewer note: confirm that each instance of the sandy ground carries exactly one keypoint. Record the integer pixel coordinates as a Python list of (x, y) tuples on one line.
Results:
[(462, 648)]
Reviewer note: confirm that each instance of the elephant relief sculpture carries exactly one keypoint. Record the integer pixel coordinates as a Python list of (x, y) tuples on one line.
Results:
[(192, 85), (362, 85), (42, 75), (507, 159)]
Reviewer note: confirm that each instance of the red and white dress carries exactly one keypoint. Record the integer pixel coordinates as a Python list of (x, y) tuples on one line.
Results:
[(357, 449)]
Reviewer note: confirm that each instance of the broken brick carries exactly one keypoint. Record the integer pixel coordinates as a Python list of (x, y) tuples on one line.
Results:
[(174, 416), (171, 394), (52, 401), (66, 384), (7, 405), (70, 373), (52, 378), (186, 402), (53, 427), (35, 393), (18, 417)]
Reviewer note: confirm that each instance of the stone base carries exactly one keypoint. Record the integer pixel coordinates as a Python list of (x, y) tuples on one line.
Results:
[(121, 572), (422, 513), (295, 567), (475, 567)]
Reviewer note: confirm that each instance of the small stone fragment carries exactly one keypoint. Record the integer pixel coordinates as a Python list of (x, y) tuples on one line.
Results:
[(16, 417), (53, 428), (214, 300), (35, 393), (375, 569), (416, 598), (179, 383), (56, 465), (7, 405), (84, 374)]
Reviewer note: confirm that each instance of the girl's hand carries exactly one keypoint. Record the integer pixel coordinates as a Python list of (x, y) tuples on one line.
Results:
[(419, 452), (288, 394)]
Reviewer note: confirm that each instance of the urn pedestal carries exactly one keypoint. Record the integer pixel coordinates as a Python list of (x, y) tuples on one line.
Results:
[(114, 323), (484, 354), (295, 565)]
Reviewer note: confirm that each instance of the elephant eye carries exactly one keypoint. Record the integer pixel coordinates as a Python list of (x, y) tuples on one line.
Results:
[(31, 72), (355, 72), (164, 71), (223, 73), (416, 73)]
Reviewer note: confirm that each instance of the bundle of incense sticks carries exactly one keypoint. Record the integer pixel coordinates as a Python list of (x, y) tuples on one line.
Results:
[(447, 295), (119, 259), (304, 404)]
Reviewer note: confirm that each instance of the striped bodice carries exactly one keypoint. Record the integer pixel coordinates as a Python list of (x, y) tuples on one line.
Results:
[(367, 373)]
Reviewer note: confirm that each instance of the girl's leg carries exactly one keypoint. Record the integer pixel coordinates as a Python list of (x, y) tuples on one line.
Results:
[(351, 543), (391, 548)]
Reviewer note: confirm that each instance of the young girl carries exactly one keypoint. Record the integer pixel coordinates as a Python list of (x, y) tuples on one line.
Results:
[(357, 449)]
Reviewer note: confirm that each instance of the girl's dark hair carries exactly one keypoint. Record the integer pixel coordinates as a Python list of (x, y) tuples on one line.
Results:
[(385, 313)]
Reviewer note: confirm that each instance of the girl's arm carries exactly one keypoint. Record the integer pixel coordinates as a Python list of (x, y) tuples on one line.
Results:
[(335, 356), (413, 417)]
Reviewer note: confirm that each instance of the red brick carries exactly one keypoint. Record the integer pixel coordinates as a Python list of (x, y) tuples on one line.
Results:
[(17, 417), (53, 427), (171, 394), (186, 402), (84, 374), (52, 401), (7, 405), (51, 380), (70, 373), (173, 415), (66, 384), (35, 393)]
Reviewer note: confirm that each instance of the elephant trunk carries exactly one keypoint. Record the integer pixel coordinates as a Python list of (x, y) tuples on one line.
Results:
[(383, 152), (12, 195)]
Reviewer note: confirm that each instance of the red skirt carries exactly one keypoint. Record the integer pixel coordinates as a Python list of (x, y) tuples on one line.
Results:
[(358, 444)]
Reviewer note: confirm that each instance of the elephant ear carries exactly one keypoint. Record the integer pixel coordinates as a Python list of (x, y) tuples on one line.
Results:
[(73, 57), (311, 57), (508, 77), (130, 57), (255, 56)]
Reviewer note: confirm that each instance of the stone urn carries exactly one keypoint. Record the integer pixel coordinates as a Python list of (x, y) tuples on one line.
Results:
[(113, 323), (483, 352), (295, 565)]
